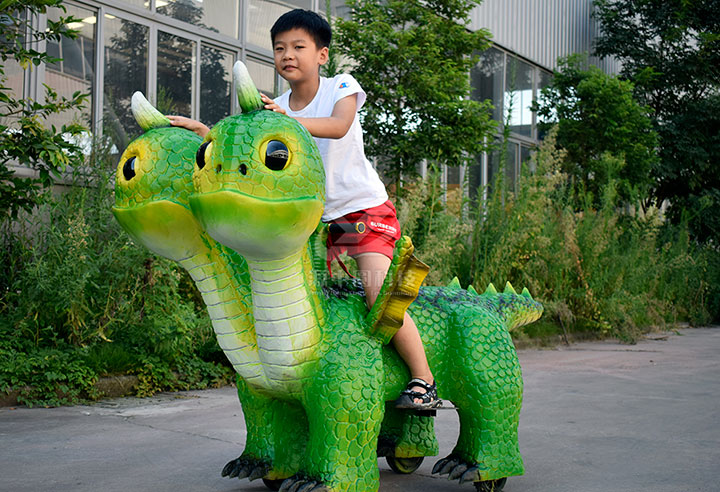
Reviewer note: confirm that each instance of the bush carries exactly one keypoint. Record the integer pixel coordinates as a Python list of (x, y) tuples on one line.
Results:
[(595, 269), (79, 295)]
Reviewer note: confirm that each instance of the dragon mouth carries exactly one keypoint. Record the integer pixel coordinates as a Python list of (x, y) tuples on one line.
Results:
[(165, 227), (257, 228)]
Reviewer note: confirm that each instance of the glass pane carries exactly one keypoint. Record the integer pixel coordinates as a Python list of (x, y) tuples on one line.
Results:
[(76, 69), (215, 84), (263, 75), (453, 178), (338, 8), (487, 80), (475, 180), (175, 65), (525, 161), (262, 14), (509, 163), (126, 65), (519, 95), (544, 80), (219, 15)]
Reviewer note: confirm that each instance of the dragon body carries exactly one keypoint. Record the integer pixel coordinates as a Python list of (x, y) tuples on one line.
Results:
[(314, 368)]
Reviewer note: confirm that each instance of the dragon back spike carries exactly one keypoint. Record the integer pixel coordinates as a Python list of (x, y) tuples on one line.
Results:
[(472, 290), (491, 290), (526, 293), (509, 289), (248, 95), (145, 113), (454, 284)]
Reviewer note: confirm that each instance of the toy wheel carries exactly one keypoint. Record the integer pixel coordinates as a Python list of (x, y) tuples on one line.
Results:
[(491, 485), (404, 465), (273, 484)]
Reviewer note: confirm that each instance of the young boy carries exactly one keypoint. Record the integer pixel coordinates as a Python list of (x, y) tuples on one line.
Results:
[(354, 192)]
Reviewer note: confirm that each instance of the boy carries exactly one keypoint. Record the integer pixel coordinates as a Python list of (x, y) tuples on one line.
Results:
[(354, 192)]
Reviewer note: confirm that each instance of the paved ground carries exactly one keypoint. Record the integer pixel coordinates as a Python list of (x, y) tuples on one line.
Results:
[(596, 417)]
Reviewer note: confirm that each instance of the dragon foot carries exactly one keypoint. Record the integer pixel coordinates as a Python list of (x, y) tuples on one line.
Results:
[(459, 469), (250, 468), (300, 483)]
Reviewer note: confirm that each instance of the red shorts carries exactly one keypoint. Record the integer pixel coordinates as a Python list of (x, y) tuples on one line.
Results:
[(374, 230)]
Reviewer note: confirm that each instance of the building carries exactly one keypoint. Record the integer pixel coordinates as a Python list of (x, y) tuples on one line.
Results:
[(180, 54)]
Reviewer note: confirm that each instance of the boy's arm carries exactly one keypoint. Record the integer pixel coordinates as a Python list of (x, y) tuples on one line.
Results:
[(190, 124), (334, 126)]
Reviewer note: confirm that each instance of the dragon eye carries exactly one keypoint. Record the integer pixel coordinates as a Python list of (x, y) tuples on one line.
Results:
[(200, 156), (129, 169), (276, 155)]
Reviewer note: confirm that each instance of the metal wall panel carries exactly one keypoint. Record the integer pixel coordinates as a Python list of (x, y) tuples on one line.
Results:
[(542, 30)]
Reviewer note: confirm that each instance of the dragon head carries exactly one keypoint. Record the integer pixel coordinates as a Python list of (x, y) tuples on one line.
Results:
[(259, 179), (153, 184)]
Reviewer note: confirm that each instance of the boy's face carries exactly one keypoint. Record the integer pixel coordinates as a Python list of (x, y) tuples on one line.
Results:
[(297, 57)]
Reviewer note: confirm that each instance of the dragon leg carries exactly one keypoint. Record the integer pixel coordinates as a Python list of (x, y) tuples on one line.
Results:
[(276, 436), (488, 401), (405, 435)]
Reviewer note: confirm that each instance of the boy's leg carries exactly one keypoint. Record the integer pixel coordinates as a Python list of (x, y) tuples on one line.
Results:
[(373, 268)]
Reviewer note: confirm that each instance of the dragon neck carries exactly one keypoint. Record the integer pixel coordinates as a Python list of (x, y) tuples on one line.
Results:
[(288, 318), (219, 278)]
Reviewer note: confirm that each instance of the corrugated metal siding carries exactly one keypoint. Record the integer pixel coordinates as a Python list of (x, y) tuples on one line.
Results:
[(541, 30)]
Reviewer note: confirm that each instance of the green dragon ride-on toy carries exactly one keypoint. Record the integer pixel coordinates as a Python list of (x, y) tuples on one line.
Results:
[(240, 211)]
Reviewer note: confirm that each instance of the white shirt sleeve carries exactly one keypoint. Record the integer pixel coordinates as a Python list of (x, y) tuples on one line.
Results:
[(346, 85)]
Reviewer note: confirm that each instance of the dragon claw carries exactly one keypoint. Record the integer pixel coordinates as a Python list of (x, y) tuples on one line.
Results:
[(458, 471), (259, 471), (246, 468), (472, 474), (449, 466), (231, 468), (300, 483)]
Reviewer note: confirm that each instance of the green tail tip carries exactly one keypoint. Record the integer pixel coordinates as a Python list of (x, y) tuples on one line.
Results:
[(472, 290), (509, 289), (490, 289), (454, 284)]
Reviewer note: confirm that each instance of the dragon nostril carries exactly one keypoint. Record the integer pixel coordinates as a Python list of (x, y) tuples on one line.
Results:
[(243, 169), (218, 169)]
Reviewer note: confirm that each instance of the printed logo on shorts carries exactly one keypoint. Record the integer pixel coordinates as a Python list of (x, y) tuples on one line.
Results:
[(384, 227), (344, 85)]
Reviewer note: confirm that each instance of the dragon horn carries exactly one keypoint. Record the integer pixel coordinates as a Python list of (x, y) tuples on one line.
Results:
[(145, 113), (248, 95)]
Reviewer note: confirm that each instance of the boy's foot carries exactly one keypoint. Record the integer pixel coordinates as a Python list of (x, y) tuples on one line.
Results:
[(428, 399)]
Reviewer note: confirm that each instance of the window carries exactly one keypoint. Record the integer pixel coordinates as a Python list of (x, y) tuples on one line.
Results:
[(76, 69), (126, 67), (175, 68), (262, 14), (219, 15), (519, 96), (487, 80), (263, 74), (215, 84)]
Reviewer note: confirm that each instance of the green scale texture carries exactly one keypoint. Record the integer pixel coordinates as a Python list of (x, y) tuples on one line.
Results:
[(330, 430)]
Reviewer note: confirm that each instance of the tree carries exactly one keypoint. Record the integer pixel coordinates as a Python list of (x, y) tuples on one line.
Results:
[(413, 59), (607, 134), (671, 51), (25, 139)]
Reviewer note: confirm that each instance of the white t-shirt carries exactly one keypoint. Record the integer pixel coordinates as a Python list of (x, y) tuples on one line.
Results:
[(351, 183)]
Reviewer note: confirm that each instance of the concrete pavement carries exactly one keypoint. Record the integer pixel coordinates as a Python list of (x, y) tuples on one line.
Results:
[(596, 417)]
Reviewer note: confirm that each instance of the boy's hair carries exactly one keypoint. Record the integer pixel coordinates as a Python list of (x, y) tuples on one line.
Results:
[(316, 26)]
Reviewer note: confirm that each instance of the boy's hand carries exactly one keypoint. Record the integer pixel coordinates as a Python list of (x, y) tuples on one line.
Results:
[(271, 105), (189, 124)]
